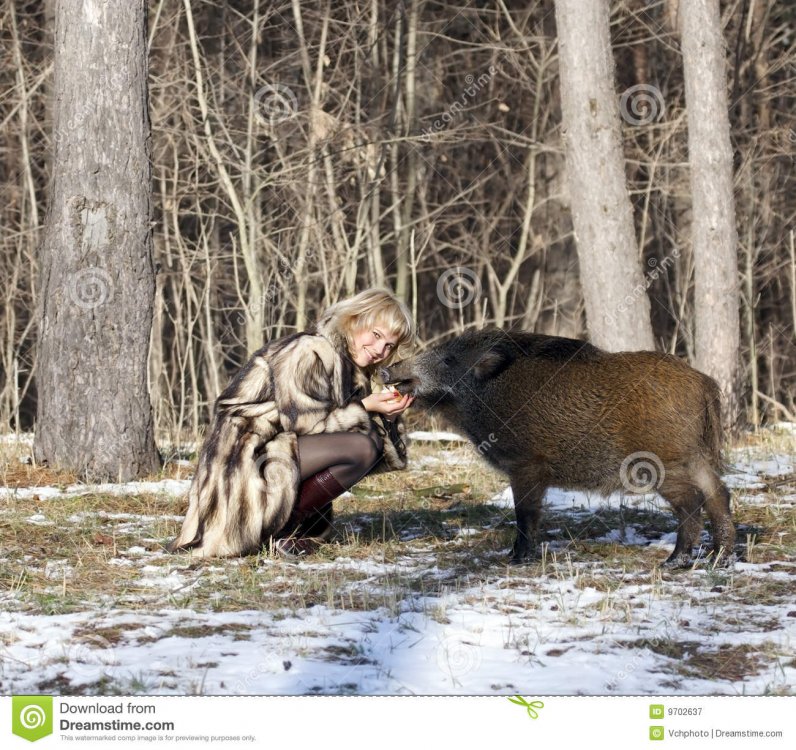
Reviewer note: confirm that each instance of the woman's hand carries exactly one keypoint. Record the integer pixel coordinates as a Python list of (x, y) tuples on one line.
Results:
[(388, 403)]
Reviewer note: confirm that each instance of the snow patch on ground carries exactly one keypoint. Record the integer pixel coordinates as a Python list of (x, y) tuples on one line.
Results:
[(445, 458), (551, 637), (574, 500), (176, 487), (437, 437)]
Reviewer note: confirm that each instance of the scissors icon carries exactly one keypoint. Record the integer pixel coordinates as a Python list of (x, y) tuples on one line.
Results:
[(532, 706)]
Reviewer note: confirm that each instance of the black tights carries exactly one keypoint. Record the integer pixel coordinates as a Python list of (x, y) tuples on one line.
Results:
[(348, 456)]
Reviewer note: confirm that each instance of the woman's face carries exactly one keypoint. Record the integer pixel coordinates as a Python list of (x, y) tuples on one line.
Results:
[(369, 346)]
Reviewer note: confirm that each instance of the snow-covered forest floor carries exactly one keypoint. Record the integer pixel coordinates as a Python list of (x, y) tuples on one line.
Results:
[(413, 595)]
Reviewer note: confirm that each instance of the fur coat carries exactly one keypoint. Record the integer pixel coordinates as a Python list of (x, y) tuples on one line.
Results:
[(247, 478)]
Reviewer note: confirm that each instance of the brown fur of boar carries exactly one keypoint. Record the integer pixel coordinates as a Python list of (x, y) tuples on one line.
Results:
[(556, 412)]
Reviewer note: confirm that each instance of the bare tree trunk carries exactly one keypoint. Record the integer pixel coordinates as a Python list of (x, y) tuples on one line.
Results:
[(714, 236), (94, 413), (405, 209), (614, 290)]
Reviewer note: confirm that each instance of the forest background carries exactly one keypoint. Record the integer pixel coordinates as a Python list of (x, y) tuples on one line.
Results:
[(303, 151)]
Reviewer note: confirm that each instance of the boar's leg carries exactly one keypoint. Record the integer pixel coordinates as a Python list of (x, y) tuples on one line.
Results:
[(717, 505), (528, 492), (686, 499)]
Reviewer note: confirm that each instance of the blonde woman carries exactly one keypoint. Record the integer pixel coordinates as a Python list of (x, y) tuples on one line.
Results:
[(297, 427)]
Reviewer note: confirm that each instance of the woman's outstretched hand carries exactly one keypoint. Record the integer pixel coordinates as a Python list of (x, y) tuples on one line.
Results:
[(388, 403)]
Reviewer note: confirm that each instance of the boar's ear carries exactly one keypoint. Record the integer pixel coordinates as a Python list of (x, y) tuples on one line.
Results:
[(492, 363)]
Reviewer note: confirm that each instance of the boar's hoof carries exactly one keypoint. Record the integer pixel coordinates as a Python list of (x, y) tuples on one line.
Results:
[(523, 553), (527, 560), (721, 559), (678, 560)]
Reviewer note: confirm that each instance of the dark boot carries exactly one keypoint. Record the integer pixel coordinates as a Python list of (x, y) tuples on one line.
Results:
[(311, 520), (318, 523)]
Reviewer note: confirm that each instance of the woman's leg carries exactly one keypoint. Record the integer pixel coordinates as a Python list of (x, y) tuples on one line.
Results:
[(348, 456), (329, 464)]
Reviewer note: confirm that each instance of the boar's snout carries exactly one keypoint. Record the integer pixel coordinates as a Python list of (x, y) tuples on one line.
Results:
[(399, 375)]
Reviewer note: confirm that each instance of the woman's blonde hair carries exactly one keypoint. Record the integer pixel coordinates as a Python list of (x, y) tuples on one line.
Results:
[(370, 308)]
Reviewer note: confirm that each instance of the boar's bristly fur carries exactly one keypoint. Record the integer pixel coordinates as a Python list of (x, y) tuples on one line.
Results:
[(556, 412)]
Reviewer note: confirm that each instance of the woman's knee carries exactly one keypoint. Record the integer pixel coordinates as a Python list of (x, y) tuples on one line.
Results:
[(377, 440), (368, 451)]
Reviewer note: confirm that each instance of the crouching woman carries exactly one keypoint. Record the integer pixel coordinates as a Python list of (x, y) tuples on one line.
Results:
[(297, 427)]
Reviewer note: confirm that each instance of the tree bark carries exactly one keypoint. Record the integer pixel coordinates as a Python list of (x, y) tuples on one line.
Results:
[(614, 289), (94, 414), (714, 237)]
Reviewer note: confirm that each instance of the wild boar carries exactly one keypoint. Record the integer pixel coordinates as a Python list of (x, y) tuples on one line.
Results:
[(557, 412)]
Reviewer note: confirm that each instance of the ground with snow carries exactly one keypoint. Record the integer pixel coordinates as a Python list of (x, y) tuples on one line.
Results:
[(413, 596)]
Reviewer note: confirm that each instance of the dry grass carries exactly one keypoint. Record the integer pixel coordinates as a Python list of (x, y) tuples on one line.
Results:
[(405, 523)]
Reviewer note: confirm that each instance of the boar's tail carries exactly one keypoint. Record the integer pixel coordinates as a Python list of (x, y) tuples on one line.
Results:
[(714, 433)]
